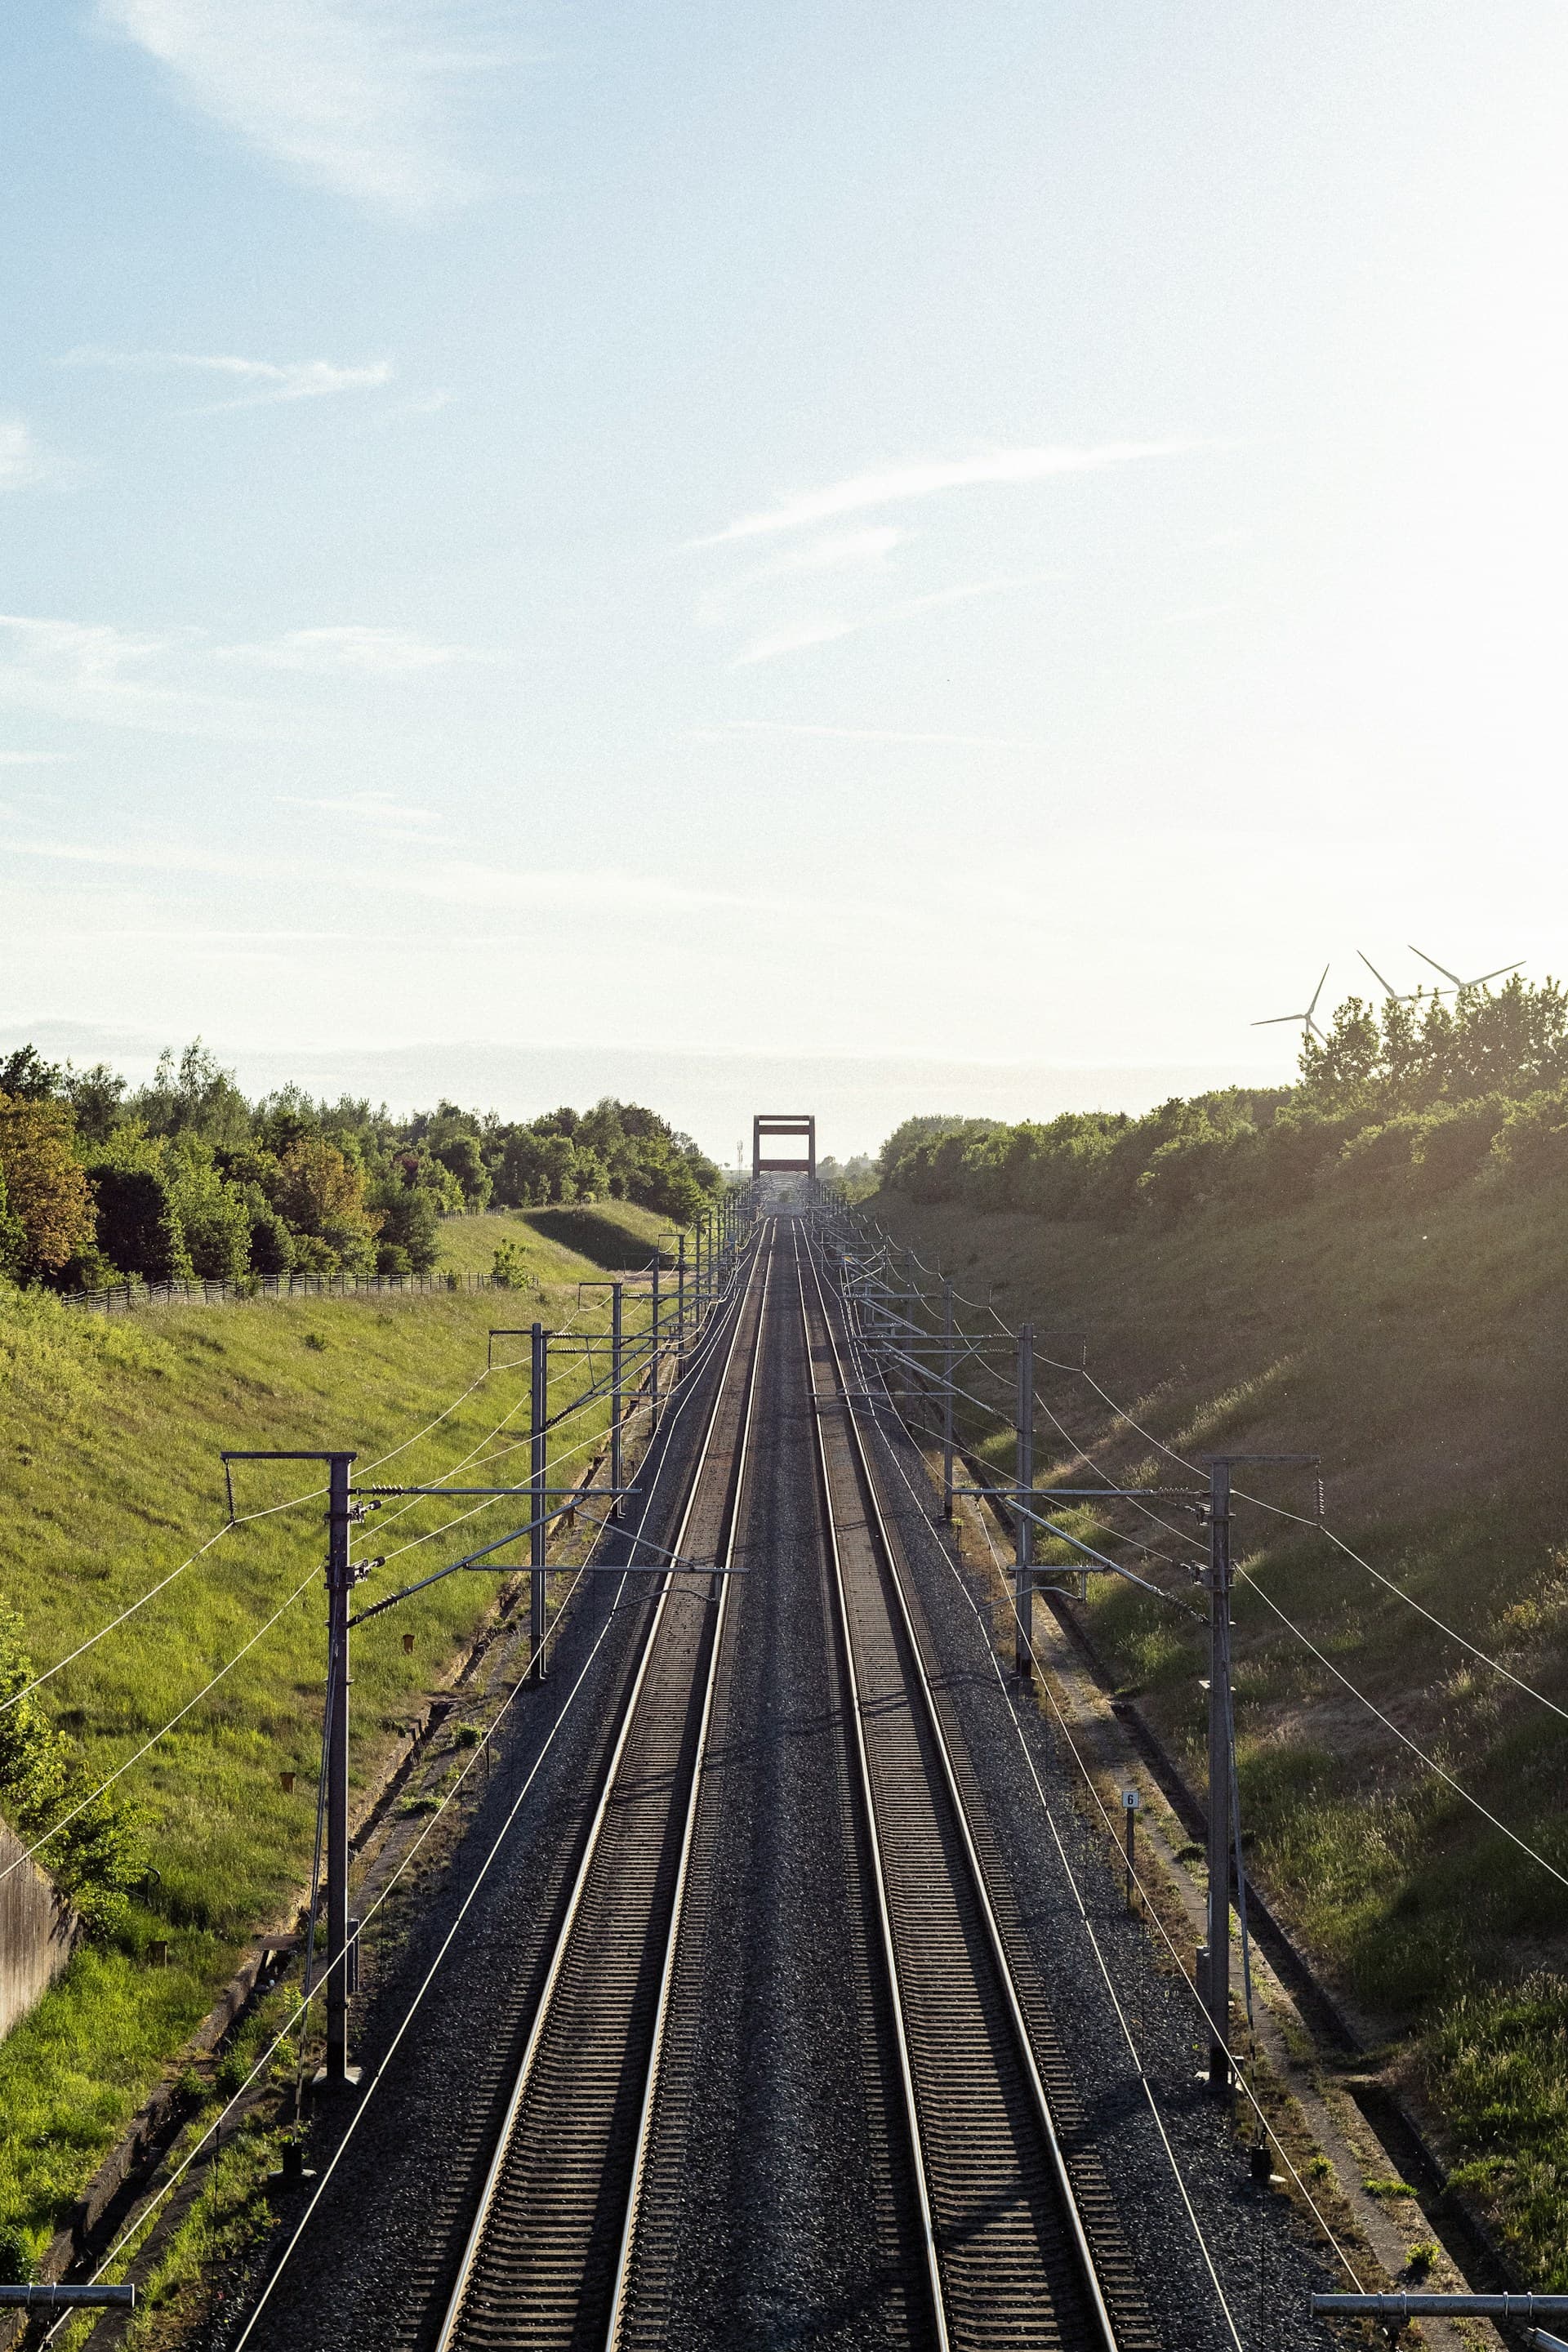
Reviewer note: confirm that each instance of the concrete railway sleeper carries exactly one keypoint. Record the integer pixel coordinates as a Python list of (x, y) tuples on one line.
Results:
[(1021, 2242), (547, 2257)]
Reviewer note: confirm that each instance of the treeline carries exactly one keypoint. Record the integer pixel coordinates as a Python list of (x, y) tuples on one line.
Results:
[(186, 1176), (1413, 1098)]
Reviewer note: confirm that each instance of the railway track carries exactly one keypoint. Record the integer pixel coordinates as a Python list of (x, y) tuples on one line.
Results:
[(1021, 2245), (546, 2258), (1009, 2231)]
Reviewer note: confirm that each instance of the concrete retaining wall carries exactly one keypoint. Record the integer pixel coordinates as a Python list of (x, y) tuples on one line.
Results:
[(38, 1930)]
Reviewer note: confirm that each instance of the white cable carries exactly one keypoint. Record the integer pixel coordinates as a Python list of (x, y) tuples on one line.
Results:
[(303, 2002), (303, 2005), (1404, 1736), (1153, 1911), (390, 2053), (121, 1770)]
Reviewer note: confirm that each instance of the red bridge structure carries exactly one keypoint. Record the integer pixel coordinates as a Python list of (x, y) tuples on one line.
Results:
[(766, 1126)]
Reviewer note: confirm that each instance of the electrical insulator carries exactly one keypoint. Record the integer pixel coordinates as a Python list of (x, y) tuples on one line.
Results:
[(1317, 1499)]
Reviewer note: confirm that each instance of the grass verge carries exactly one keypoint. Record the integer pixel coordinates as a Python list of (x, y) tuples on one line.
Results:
[(614, 1235), (1423, 1350), (110, 1479)]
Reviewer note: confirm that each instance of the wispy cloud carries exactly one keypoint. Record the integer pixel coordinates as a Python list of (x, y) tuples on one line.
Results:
[(355, 96), (86, 671), (895, 485), (270, 381), (21, 460), (845, 550), (32, 759), (364, 808), (771, 645), (166, 680), (351, 648)]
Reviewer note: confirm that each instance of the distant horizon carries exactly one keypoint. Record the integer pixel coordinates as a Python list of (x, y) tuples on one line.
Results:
[(710, 1095)]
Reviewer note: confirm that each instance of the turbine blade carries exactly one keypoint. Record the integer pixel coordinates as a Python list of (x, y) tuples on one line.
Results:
[(1316, 993), (1275, 1019), (1387, 986), (1498, 974), (1435, 964)]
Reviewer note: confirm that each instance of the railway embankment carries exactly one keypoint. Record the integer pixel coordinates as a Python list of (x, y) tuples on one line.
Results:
[(1401, 1680), (189, 1734)]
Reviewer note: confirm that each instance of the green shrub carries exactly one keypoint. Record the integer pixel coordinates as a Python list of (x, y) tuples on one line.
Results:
[(1379, 1156), (96, 1858), (1455, 1142), (1531, 1147), (509, 1266)]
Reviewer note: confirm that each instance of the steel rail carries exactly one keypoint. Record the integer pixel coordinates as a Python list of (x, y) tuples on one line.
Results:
[(462, 2292), (878, 1869), (1098, 2317), (688, 1836)]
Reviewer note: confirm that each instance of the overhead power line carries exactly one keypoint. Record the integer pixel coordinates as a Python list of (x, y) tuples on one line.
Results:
[(1183, 1462), (891, 1453), (121, 1770)]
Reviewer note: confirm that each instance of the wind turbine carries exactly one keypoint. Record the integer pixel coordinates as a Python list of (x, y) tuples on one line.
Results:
[(1276, 1019), (1387, 986), (1459, 983)]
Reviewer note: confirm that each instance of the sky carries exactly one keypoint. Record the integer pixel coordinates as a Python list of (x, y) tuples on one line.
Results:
[(1001, 538)]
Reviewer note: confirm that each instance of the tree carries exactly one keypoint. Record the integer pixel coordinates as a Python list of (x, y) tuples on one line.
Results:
[(271, 1243), (139, 1228), (46, 1190), (12, 1240), (521, 1176), (462, 1155), (194, 1096), (410, 1224), (322, 1197), (95, 1096), (214, 1215), (26, 1076)]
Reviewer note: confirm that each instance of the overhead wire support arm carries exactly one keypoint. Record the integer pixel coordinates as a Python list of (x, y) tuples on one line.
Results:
[(230, 1455), (499, 1492)]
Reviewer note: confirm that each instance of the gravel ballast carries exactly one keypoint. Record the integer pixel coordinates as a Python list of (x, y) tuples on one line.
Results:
[(776, 2201)]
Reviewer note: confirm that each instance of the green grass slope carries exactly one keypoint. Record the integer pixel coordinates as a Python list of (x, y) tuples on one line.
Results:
[(614, 1234), (110, 1477), (1423, 1350)]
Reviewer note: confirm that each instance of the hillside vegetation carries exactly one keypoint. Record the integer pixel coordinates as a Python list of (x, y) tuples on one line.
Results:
[(110, 1480), (1416, 1098), (1374, 1265), (615, 1234), (185, 1177)]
